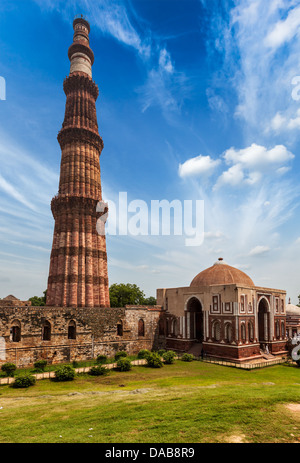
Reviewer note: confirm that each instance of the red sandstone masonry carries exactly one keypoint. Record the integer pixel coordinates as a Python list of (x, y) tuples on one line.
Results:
[(78, 265)]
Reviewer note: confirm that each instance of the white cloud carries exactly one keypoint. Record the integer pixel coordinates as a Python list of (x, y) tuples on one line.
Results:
[(233, 176), (200, 165), (287, 122), (258, 157), (259, 250), (278, 122), (284, 30), (294, 123), (214, 235), (251, 164)]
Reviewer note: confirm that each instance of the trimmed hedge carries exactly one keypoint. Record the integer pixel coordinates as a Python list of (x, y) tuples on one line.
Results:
[(154, 360), (120, 354), (161, 352), (24, 381), (169, 357), (40, 365), (101, 359), (124, 364), (143, 353), (187, 358), (98, 371), (64, 373), (9, 369)]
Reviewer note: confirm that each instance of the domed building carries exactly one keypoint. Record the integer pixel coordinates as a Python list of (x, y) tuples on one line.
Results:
[(226, 315), (292, 319)]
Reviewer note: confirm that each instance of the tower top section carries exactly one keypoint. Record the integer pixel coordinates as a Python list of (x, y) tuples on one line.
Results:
[(80, 53)]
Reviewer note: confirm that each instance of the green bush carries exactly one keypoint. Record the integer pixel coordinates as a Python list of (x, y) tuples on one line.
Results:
[(154, 360), (24, 381), (40, 365), (124, 364), (9, 369), (101, 359), (143, 353), (64, 373), (161, 352), (120, 354), (169, 357), (187, 357), (75, 364), (98, 371)]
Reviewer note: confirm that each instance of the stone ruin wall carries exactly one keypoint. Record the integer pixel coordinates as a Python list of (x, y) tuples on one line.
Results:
[(96, 333)]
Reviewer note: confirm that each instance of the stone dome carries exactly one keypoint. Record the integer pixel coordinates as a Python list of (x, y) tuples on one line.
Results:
[(292, 309), (221, 274)]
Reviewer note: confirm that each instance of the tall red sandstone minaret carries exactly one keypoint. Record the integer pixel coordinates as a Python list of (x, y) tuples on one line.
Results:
[(78, 264)]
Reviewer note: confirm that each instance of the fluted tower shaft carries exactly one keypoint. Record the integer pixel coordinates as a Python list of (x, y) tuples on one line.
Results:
[(78, 263)]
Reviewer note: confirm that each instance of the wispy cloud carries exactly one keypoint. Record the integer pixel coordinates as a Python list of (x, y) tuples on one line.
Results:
[(256, 67), (284, 30), (259, 250), (165, 86)]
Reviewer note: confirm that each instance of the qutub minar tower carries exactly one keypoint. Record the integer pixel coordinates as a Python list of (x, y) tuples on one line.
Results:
[(78, 264)]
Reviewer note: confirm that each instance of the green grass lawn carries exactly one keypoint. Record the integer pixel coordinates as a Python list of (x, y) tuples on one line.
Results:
[(180, 403)]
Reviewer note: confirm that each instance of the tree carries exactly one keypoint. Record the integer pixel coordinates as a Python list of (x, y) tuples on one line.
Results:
[(37, 301), (149, 301), (128, 294)]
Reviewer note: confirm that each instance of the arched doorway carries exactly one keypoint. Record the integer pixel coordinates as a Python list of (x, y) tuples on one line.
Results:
[(194, 319), (72, 330), (46, 331), (16, 331), (141, 328), (263, 321)]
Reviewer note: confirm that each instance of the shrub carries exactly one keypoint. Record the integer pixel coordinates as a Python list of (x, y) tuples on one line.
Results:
[(187, 357), (143, 353), (161, 352), (101, 359), (75, 364), (64, 373), (120, 354), (40, 365), (24, 381), (124, 364), (98, 371), (9, 369), (169, 357), (154, 360)]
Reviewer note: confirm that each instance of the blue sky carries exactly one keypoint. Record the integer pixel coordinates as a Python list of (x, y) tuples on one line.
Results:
[(198, 101)]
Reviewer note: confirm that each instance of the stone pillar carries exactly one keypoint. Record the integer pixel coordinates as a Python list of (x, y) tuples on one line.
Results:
[(188, 323)]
